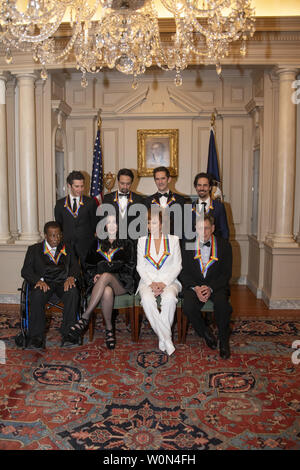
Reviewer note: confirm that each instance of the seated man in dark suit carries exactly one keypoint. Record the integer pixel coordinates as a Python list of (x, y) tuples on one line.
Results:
[(213, 207), (171, 203), (206, 272), (50, 267)]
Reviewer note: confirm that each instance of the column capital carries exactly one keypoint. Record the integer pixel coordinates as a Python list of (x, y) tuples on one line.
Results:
[(4, 76), (26, 74), (281, 70)]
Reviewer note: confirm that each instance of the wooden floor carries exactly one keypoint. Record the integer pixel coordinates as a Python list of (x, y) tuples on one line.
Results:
[(244, 303)]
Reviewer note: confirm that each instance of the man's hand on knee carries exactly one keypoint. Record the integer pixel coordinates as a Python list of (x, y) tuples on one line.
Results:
[(69, 283), (42, 285)]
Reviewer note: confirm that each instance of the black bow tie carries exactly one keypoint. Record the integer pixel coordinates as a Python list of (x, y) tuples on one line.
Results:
[(163, 195), (124, 195), (206, 244)]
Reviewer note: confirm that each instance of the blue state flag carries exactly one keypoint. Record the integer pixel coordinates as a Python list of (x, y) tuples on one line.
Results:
[(97, 185)]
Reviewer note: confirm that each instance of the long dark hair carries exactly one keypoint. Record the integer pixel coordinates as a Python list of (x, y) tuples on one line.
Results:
[(105, 243)]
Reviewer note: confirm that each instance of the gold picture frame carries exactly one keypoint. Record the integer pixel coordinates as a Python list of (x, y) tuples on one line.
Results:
[(157, 147)]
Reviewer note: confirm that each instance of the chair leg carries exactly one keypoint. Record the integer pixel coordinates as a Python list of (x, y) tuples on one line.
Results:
[(127, 316), (131, 314), (92, 327), (179, 321), (136, 323), (184, 328)]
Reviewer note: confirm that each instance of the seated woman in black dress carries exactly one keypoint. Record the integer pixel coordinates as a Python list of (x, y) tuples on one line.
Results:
[(109, 270)]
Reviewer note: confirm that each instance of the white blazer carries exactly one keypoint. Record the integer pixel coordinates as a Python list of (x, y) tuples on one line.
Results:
[(169, 270)]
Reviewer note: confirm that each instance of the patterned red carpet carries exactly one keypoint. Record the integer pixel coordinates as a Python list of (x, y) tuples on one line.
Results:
[(135, 397)]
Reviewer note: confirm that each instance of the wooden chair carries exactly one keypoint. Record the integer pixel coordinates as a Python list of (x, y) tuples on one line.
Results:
[(138, 310), (207, 307), (124, 303)]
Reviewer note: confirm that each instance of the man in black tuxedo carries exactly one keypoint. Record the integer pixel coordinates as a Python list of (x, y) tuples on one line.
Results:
[(76, 214), (50, 267), (206, 272), (213, 207), (126, 206), (171, 203)]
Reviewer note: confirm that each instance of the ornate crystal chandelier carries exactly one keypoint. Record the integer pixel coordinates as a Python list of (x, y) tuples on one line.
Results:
[(124, 34)]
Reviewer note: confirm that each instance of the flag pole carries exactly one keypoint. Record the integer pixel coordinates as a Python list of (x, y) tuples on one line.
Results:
[(99, 119), (212, 121)]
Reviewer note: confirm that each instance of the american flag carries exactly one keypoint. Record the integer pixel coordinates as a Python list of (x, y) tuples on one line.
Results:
[(97, 173)]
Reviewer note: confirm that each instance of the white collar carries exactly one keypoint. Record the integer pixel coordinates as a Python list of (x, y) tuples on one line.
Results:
[(206, 200), (49, 247)]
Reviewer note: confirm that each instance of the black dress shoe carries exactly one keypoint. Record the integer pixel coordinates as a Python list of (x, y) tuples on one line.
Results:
[(224, 349), (210, 339), (68, 339), (37, 342)]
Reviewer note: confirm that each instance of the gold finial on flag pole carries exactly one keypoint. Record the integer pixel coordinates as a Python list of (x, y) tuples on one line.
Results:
[(99, 119), (212, 120)]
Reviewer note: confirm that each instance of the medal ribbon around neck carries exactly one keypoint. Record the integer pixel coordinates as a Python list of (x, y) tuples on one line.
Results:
[(67, 206), (154, 201), (105, 254), (194, 209), (49, 254), (213, 255), (164, 256), (117, 199)]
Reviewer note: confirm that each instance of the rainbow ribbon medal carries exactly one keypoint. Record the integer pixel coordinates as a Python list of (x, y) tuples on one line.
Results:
[(194, 209), (213, 255), (49, 254), (117, 199), (166, 252), (154, 201), (108, 256), (67, 206)]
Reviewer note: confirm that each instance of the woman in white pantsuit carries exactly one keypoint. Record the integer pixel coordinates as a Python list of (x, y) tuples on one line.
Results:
[(159, 264)]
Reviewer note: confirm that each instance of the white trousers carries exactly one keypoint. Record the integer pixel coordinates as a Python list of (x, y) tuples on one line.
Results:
[(161, 321)]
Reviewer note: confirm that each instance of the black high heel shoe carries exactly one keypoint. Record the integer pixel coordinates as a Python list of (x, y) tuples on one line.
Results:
[(110, 339), (78, 330)]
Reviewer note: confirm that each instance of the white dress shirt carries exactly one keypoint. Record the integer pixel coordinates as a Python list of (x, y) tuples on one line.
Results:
[(72, 201), (123, 201), (163, 201), (200, 206), (52, 250), (205, 255)]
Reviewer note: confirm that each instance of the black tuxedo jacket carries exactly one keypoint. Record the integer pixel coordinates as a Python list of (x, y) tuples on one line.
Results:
[(38, 265), (217, 210), (218, 274), (176, 226), (124, 222), (78, 231)]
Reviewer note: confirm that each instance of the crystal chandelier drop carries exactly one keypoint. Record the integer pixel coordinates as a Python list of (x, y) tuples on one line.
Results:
[(124, 34)]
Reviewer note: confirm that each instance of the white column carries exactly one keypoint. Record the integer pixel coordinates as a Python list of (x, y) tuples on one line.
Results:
[(4, 215), (28, 164), (285, 160)]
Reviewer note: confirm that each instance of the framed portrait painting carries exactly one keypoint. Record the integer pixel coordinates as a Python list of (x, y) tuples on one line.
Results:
[(157, 147)]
